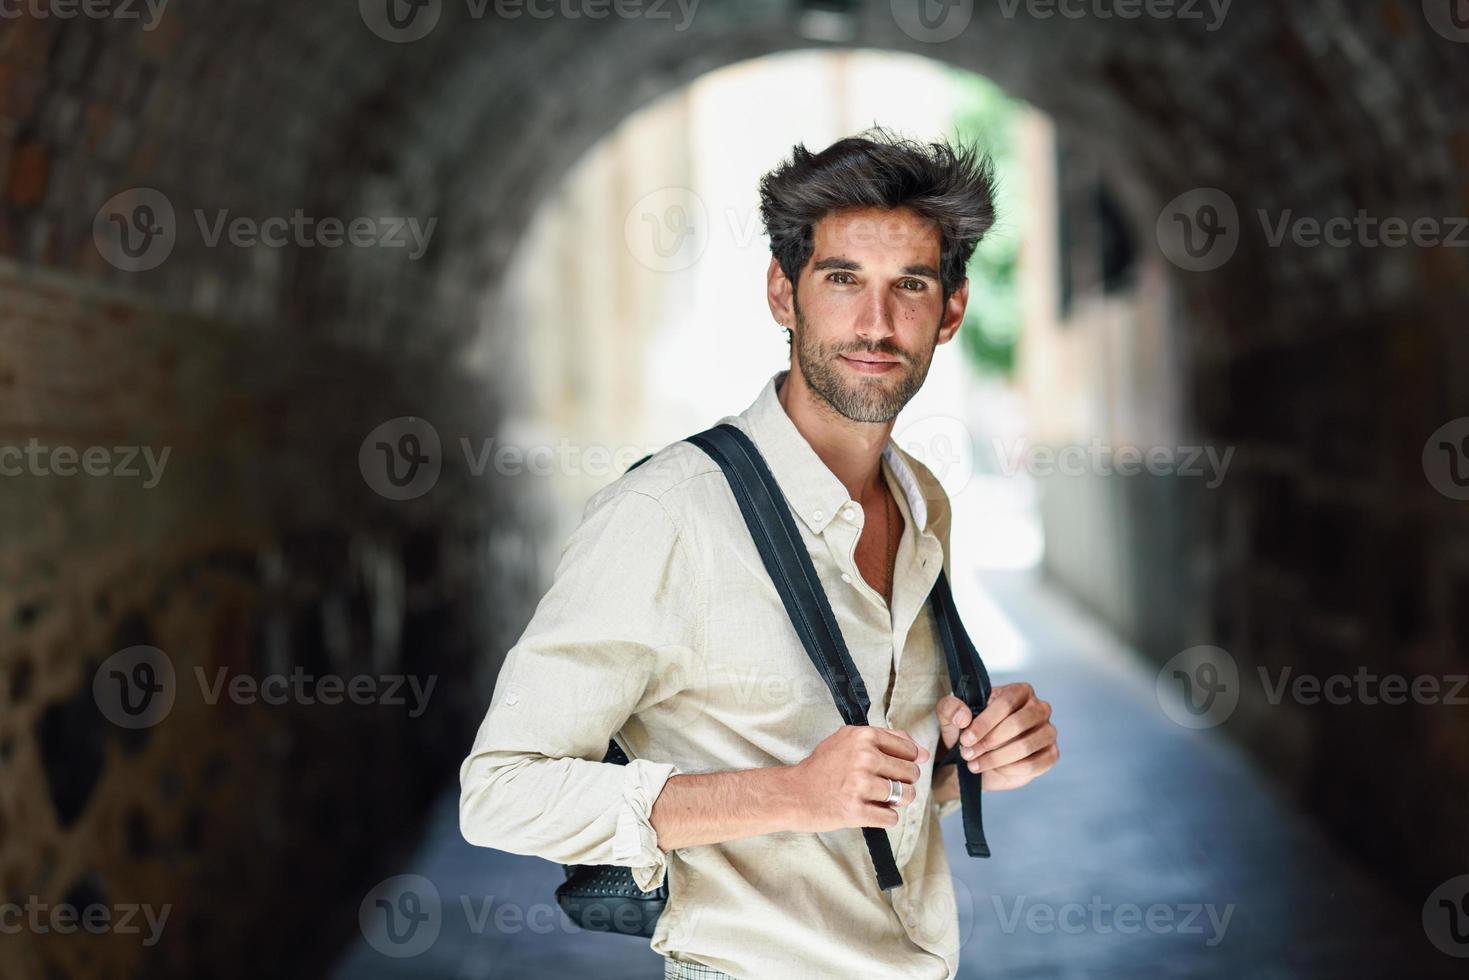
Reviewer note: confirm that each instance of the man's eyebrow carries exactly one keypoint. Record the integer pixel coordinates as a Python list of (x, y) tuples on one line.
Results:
[(837, 262)]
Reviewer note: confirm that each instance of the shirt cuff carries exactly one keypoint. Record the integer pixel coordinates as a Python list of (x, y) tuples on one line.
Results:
[(635, 843)]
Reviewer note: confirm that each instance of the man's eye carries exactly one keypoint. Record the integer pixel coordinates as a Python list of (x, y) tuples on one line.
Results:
[(832, 277), (916, 284)]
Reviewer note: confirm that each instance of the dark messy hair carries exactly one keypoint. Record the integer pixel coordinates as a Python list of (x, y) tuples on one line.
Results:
[(954, 187)]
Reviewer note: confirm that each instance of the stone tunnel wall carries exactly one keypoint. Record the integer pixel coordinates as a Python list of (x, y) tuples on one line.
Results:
[(264, 546)]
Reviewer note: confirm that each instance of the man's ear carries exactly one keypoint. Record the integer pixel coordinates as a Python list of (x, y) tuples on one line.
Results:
[(780, 294), (954, 312)]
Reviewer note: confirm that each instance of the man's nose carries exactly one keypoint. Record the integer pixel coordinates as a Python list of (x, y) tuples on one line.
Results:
[(875, 322)]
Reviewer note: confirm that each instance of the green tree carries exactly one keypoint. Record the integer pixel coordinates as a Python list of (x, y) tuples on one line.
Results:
[(990, 333)]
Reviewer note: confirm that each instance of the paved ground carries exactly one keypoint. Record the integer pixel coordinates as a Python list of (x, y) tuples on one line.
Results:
[(1139, 812)]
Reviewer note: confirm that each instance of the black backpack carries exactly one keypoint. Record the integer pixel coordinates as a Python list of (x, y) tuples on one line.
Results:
[(604, 897)]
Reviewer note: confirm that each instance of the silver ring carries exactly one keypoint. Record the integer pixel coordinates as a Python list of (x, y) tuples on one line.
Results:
[(895, 791)]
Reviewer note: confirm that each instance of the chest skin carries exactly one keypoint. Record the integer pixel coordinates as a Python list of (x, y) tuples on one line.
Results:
[(882, 517)]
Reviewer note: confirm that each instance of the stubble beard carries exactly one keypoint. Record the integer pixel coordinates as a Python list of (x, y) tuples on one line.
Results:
[(875, 398)]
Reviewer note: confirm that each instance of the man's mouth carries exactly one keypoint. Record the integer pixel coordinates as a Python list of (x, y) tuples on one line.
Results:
[(870, 363)]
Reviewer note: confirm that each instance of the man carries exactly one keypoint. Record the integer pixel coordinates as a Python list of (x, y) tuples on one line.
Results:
[(663, 628)]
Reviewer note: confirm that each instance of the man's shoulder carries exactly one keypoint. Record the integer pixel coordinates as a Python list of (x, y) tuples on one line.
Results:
[(662, 476)]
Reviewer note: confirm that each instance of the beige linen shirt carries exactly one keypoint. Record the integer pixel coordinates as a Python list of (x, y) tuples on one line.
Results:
[(662, 627)]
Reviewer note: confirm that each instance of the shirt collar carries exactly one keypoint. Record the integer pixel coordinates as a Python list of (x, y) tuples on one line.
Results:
[(814, 492)]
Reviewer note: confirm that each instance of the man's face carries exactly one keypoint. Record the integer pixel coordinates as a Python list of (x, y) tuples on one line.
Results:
[(868, 310)]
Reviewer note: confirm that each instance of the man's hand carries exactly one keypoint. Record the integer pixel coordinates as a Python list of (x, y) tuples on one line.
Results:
[(844, 781), (1012, 740)]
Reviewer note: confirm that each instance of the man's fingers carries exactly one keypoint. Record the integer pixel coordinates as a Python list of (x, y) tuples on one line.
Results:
[(953, 715), (1006, 700), (878, 815), (879, 789), (1016, 749), (1026, 717), (900, 769), (1017, 774), (895, 742)]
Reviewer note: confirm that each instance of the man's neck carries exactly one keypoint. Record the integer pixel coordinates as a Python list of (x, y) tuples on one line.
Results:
[(851, 450)]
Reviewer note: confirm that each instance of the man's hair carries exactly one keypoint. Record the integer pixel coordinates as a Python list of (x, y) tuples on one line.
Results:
[(954, 187)]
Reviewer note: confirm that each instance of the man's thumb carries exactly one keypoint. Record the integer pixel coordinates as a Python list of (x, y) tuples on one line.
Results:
[(953, 716)]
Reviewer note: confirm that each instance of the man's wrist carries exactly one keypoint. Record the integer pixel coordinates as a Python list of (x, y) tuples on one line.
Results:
[(787, 804)]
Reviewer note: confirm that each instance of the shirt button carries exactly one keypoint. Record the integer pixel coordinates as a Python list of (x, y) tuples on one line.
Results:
[(512, 698), (846, 578), (849, 514), (816, 516)]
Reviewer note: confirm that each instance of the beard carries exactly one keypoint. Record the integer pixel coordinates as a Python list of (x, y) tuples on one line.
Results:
[(872, 398)]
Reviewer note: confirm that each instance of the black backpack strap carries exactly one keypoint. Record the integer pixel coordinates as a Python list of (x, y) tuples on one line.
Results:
[(971, 684), (778, 540)]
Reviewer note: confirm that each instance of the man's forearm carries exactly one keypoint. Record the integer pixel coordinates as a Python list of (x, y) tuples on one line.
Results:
[(712, 807)]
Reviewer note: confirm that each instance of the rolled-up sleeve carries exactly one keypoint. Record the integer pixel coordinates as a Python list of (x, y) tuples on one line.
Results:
[(614, 635)]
